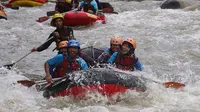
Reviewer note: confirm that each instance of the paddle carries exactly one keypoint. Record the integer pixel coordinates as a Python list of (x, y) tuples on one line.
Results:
[(9, 66), (175, 85), (58, 81), (29, 83)]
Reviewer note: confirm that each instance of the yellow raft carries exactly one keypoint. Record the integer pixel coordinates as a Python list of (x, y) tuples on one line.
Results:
[(27, 3)]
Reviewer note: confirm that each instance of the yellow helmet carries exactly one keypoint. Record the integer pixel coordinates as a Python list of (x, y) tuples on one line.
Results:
[(68, 1), (56, 16), (131, 41), (116, 40), (62, 44)]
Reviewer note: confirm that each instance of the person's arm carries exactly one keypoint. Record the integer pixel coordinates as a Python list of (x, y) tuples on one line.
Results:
[(51, 64), (112, 58), (104, 56), (138, 65), (82, 63), (46, 44), (81, 6), (48, 76), (95, 7)]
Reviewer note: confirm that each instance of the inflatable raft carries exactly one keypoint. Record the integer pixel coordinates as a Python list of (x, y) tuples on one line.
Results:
[(26, 3), (93, 52), (80, 18), (2, 13), (104, 81), (106, 7)]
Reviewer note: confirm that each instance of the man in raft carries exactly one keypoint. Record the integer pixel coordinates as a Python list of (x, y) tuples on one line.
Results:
[(89, 6), (69, 62), (62, 33), (66, 5), (126, 59), (115, 46)]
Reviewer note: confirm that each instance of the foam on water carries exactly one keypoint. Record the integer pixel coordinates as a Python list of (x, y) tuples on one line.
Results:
[(167, 46)]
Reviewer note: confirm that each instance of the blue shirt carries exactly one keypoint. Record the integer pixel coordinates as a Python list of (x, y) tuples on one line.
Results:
[(112, 58), (93, 3), (58, 59)]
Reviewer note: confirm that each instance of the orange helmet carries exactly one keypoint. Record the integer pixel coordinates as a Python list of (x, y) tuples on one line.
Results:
[(131, 41), (116, 40), (62, 44)]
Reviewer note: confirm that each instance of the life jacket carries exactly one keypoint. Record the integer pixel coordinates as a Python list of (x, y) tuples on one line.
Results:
[(67, 66), (65, 34), (126, 62)]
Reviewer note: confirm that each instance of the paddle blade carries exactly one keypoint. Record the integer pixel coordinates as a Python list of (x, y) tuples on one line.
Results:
[(51, 13), (15, 7), (26, 83), (42, 19), (174, 85), (9, 66)]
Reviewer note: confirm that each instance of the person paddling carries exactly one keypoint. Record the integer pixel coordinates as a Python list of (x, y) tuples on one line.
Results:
[(115, 46), (126, 59), (60, 34), (66, 5), (89, 6), (69, 62)]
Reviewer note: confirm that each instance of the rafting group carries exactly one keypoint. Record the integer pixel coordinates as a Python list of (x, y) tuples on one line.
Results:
[(75, 70), (71, 58), (92, 63)]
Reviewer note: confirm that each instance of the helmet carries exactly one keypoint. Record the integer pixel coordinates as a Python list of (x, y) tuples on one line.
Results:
[(116, 40), (68, 1), (73, 43), (62, 44), (131, 41), (56, 16)]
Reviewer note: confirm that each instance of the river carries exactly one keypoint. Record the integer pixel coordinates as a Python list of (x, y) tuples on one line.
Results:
[(167, 46)]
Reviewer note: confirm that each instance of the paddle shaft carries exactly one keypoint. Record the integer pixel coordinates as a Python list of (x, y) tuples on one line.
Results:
[(22, 57), (175, 85), (10, 65)]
